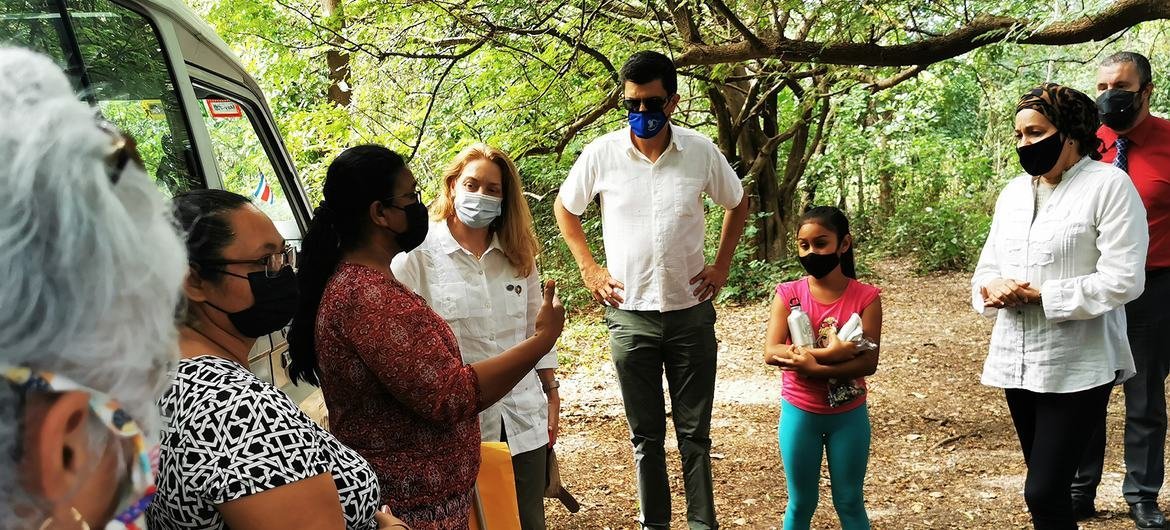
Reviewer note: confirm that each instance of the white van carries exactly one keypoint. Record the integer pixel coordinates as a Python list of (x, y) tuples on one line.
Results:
[(160, 73)]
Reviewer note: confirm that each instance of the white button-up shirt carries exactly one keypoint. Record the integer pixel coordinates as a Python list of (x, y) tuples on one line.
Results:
[(490, 310), (1085, 251), (652, 214)]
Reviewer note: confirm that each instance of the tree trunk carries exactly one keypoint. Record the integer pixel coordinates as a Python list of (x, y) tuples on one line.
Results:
[(775, 209), (339, 92)]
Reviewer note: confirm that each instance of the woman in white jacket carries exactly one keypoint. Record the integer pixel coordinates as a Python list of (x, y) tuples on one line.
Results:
[(477, 270), (1066, 252)]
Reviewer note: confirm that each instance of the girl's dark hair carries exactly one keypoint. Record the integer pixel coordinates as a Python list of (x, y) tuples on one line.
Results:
[(358, 177), (203, 216), (834, 219)]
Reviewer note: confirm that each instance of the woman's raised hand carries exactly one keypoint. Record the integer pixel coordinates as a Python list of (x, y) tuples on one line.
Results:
[(550, 321)]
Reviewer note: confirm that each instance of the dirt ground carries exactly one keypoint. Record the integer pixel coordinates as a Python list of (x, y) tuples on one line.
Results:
[(944, 454)]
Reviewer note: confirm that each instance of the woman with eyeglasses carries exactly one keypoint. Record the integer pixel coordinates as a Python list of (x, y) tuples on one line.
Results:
[(87, 328), (237, 452), (477, 269), (390, 368)]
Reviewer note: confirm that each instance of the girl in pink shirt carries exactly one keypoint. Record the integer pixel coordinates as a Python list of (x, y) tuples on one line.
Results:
[(822, 409)]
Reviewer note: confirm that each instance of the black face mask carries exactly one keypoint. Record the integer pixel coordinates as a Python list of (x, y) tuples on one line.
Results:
[(275, 303), (819, 265), (1119, 108), (416, 226), (1040, 157)]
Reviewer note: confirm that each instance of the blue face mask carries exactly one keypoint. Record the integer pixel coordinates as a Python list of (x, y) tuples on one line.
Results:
[(647, 124)]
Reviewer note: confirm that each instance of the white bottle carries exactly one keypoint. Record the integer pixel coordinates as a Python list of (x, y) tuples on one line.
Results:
[(799, 325)]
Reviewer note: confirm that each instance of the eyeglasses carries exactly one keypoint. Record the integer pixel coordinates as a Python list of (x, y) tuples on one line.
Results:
[(416, 194), (123, 150), (272, 263), (654, 104)]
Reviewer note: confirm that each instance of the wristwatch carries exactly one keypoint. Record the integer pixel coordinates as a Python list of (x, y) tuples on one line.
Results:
[(552, 386)]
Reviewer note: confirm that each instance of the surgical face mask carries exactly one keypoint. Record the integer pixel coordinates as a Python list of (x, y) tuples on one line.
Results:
[(275, 303), (819, 265), (137, 487), (647, 124), (1119, 108), (1039, 158), (476, 209)]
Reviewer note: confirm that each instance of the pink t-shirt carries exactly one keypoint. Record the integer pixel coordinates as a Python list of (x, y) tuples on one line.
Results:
[(812, 394)]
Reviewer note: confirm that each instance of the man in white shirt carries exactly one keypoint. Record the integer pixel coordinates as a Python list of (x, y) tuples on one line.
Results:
[(656, 283)]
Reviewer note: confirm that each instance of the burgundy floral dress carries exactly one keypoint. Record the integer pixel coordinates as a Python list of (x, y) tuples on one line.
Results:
[(399, 394)]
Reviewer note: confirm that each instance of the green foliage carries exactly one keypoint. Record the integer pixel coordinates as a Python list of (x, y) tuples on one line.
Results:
[(542, 177), (749, 278), (915, 166), (946, 236)]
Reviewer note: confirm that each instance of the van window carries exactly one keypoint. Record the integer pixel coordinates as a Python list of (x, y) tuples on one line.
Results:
[(245, 166), (115, 59)]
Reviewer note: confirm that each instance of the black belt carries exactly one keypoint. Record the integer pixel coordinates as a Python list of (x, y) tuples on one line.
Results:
[(1154, 273)]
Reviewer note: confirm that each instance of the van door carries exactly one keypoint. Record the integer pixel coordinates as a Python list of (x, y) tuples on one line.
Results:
[(195, 127), (250, 162), (116, 59)]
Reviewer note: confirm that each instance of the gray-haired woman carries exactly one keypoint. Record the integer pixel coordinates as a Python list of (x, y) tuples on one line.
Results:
[(92, 266)]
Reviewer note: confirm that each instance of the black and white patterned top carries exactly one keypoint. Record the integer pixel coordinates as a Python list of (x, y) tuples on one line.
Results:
[(228, 435)]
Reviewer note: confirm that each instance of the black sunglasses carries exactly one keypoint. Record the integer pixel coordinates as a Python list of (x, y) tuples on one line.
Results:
[(654, 104)]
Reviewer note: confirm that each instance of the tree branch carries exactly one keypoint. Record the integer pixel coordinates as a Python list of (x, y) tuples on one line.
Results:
[(576, 43), (877, 85), (981, 31), (422, 128), (684, 22), (339, 41), (736, 23), (782, 23), (582, 122)]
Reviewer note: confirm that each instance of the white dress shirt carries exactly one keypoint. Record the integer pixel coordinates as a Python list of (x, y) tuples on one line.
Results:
[(1085, 250), (652, 215), (490, 310)]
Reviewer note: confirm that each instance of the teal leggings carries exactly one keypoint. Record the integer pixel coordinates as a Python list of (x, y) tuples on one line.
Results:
[(845, 438)]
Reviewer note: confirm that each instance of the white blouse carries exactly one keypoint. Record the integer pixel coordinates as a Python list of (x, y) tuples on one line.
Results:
[(1086, 252), (490, 310)]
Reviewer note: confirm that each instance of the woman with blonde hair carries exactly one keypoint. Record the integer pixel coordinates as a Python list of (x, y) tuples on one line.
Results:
[(477, 269)]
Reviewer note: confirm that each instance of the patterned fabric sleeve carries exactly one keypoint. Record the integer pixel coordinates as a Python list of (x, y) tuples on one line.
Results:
[(259, 443), (402, 343)]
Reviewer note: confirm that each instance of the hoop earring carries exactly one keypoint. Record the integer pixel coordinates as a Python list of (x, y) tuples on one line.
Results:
[(76, 518)]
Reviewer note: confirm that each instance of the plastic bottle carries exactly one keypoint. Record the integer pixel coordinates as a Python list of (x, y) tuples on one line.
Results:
[(799, 325)]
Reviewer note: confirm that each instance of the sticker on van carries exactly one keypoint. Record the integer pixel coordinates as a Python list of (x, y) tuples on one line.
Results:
[(222, 108)]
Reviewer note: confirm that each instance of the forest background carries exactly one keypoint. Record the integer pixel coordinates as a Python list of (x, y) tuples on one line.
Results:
[(898, 111)]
